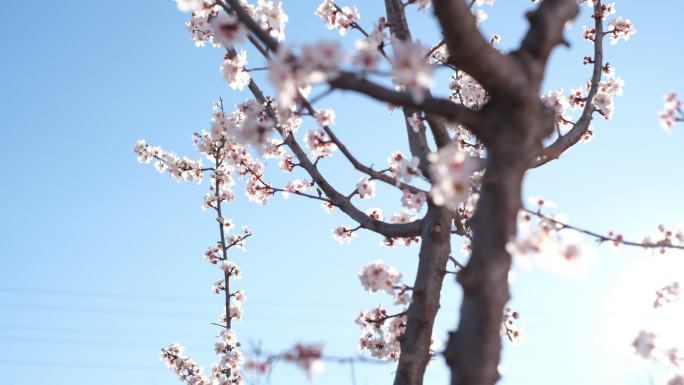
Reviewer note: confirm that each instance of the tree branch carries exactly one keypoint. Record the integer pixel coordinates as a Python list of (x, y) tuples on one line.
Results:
[(472, 53), (352, 159), (546, 32), (443, 107), (615, 239), (336, 198), (562, 143)]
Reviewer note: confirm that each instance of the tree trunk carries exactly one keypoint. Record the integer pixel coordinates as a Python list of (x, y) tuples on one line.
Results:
[(435, 249), (517, 124)]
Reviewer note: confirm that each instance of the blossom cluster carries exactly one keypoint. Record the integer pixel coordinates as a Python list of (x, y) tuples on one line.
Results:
[(451, 170), (179, 168), (620, 28), (340, 18), (376, 276), (227, 371), (288, 73), (544, 244), (649, 346), (666, 294), (405, 215), (344, 234), (561, 105), (234, 72), (410, 68), (672, 112), (402, 168), (185, 367), (467, 91), (381, 331), (509, 326), (665, 237)]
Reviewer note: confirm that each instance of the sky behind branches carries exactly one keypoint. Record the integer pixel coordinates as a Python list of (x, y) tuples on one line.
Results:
[(102, 257)]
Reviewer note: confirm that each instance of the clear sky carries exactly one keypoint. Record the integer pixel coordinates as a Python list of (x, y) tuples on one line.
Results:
[(102, 257)]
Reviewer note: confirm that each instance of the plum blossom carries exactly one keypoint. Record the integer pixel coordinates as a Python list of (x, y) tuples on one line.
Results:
[(328, 207), (200, 30), (406, 169), (366, 188), (509, 327), (451, 170), (228, 369), (376, 276), (541, 202), (467, 91), (672, 112), (344, 234), (234, 72), (185, 367), (272, 18), (541, 244), (558, 104), (588, 33), (667, 294), (288, 73), (256, 125), (296, 186), (423, 5), (379, 337), (341, 18), (190, 5), (603, 102), (644, 344), (415, 121), (366, 56), (374, 213), (413, 201), (620, 28), (179, 168), (325, 117), (576, 99), (410, 69), (227, 29), (319, 144)]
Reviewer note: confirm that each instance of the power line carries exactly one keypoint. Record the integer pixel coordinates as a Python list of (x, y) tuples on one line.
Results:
[(161, 313), (153, 297), (81, 365)]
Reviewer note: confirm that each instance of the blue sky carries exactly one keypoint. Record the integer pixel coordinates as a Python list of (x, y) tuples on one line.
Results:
[(102, 257)]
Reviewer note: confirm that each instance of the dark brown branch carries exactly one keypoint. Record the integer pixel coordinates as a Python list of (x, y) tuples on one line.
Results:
[(471, 52), (562, 143), (274, 190), (546, 31), (514, 126), (351, 81), (355, 162), (224, 247), (336, 198), (396, 19), (435, 249), (443, 107), (339, 200)]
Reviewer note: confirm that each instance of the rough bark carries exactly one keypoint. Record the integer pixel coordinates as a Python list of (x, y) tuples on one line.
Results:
[(434, 254), (473, 351), (513, 126)]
